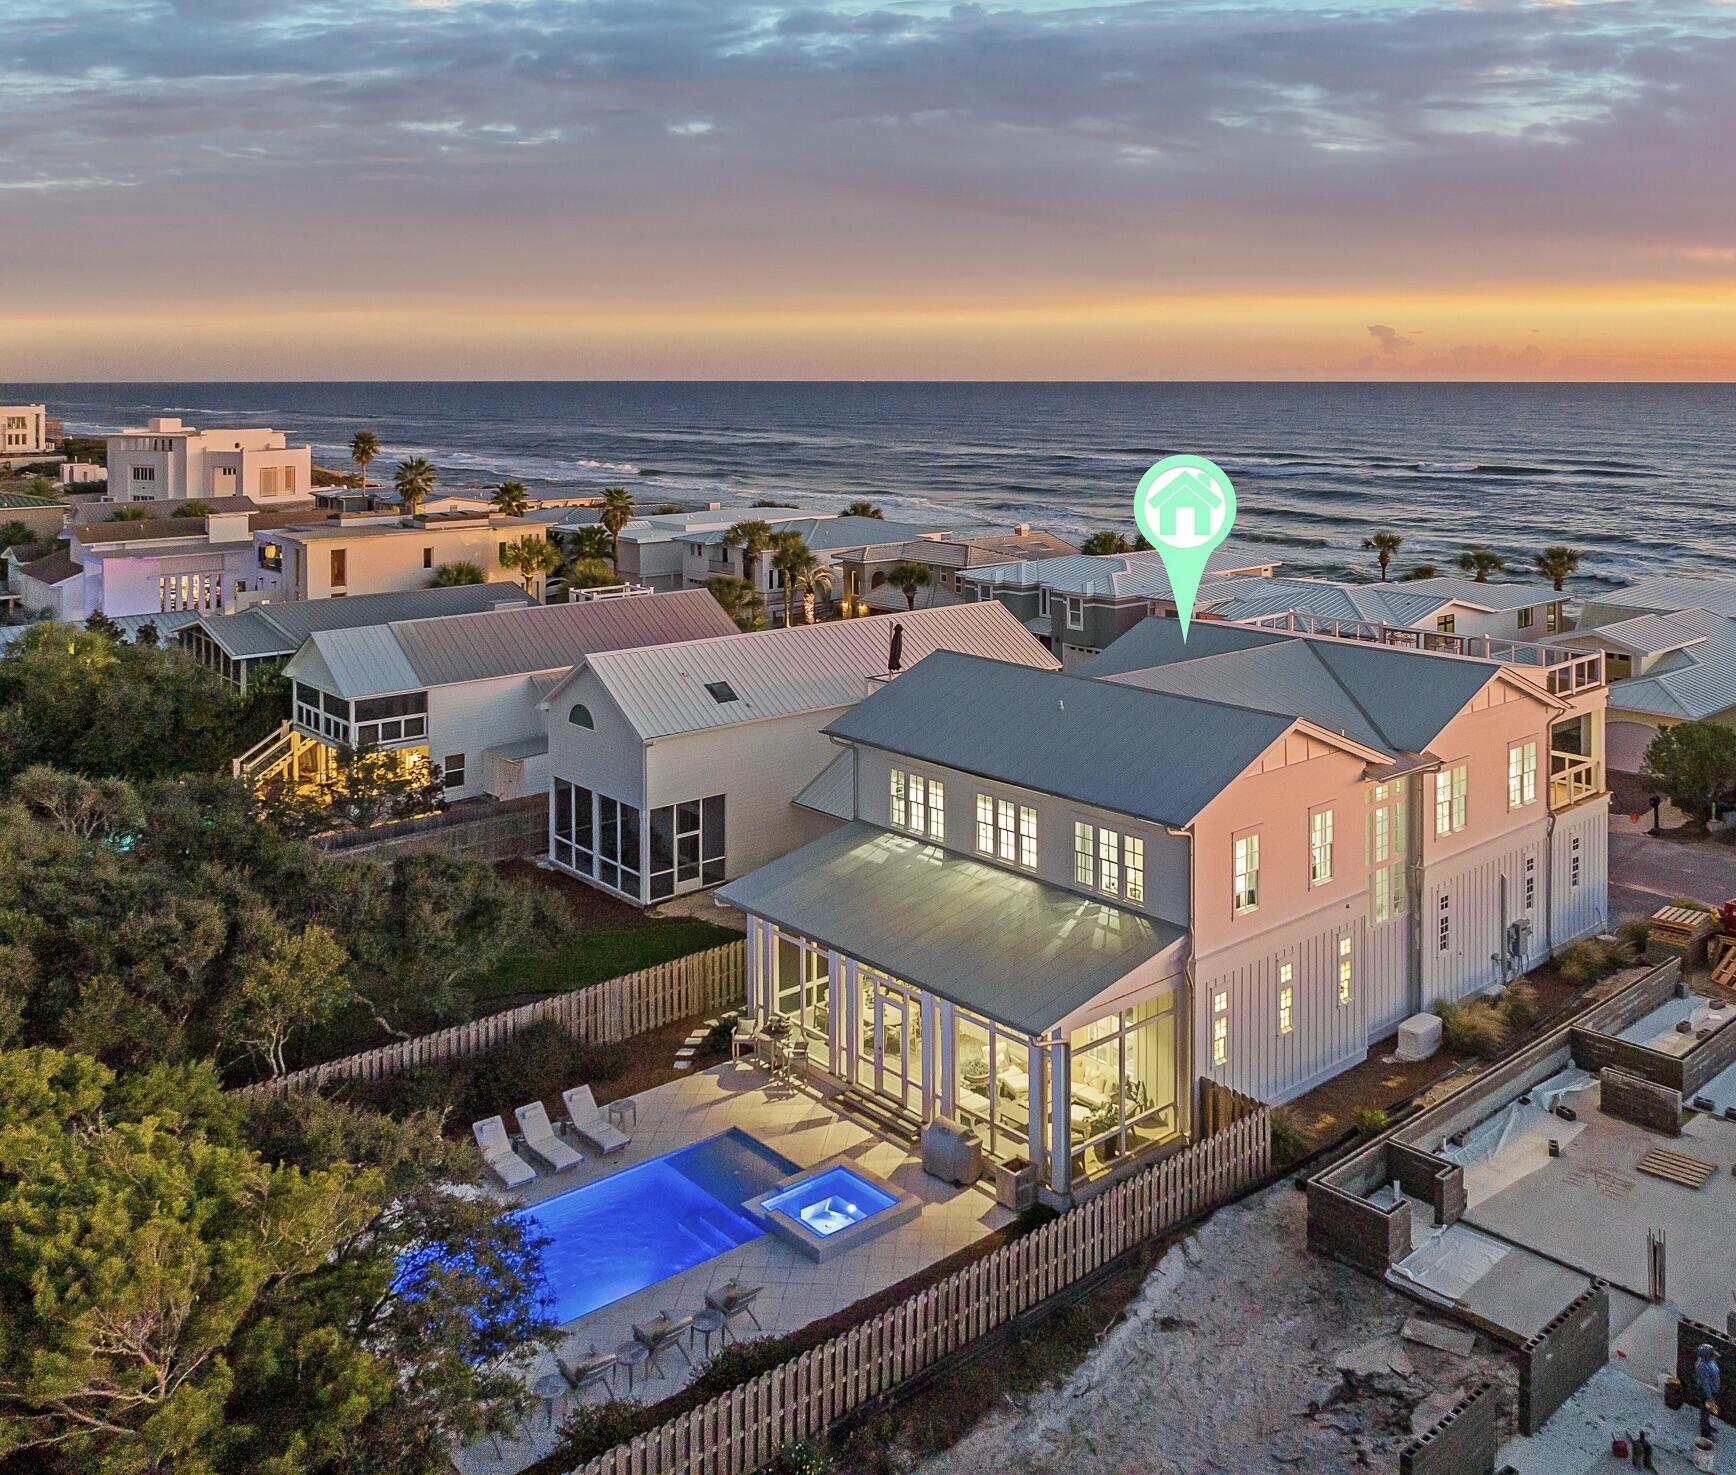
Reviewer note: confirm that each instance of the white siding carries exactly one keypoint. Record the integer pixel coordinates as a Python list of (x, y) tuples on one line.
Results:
[(1386, 974), (608, 758), (470, 716), (1471, 884), (1579, 911)]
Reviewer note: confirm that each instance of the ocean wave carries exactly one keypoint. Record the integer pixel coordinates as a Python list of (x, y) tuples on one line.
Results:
[(626, 468), (1445, 466)]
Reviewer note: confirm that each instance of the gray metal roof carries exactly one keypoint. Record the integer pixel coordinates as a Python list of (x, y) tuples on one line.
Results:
[(1250, 598), (1485, 596), (1390, 699), (1011, 947), (278, 629), (354, 663), (832, 790), (1112, 575), (1694, 682), (1145, 753), (1665, 594), (826, 533), (1640, 635), (662, 689)]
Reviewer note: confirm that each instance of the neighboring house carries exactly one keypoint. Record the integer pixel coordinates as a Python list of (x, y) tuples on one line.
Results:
[(1446, 606), (165, 460), (1083, 604), (864, 587), (381, 552), (654, 553), (80, 473), (158, 629), (239, 646), (44, 518), (1062, 898), (1670, 648), (52, 585), (23, 431), (676, 767), (834, 539), (463, 691)]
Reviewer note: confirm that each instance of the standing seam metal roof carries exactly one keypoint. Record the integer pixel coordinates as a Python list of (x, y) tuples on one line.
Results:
[(1110, 575), (279, 628)]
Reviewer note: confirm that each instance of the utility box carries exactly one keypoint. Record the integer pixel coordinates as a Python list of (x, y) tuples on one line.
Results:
[(1419, 1037)]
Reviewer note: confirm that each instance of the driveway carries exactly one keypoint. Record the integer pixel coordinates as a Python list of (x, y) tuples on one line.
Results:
[(1647, 873)]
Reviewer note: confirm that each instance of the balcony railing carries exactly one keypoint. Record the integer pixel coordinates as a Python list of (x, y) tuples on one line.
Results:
[(1571, 779), (1565, 672)]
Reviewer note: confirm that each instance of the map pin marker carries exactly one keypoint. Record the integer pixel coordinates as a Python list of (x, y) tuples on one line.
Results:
[(1185, 507)]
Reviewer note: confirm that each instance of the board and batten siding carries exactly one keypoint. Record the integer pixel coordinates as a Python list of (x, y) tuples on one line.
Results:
[(1386, 974), (1583, 910), (608, 758), (1471, 885), (1325, 1036)]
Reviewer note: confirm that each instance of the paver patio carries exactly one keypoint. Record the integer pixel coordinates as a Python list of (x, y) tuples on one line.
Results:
[(800, 1123)]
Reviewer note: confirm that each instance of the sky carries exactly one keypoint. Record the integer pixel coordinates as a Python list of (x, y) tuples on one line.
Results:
[(711, 189)]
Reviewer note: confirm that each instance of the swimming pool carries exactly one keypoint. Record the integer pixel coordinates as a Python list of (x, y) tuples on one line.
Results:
[(828, 1209), (645, 1223)]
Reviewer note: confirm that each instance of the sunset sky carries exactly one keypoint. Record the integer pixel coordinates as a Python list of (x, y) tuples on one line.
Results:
[(283, 189)]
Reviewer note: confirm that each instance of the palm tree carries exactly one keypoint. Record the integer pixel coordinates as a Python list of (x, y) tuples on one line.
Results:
[(812, 582), (1383, 546), (740, 600), (863, 509), (130, 514), (753, 537), (1558, 563), (589, 542), (617, 513), (533, 556), (1421, 571), (1481, 562), (414, 481), (364, 446), (909, 577), (1110, 542), (511, 498), (449, 575), (589, 573), (793, 559)]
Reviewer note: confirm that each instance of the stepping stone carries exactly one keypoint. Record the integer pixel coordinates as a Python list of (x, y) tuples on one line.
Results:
[(686, 1052)]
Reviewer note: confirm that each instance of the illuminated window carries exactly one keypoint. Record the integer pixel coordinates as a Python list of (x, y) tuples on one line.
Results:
[(1247, 878), (918, 804), (1521, 774), (1450, 786), (1109, 851), (985, 824), (1320, 847), (1285, 1021), (1006, 829), (1344, 970), (1027, 837), (1133, 865), (1220, 1029), (900, 808), (1084, 854)]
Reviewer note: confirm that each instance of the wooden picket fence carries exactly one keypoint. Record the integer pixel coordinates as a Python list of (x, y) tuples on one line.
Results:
[(603, 1013), (739, 1431)]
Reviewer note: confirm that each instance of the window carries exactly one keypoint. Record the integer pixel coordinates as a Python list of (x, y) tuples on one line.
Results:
[(289, 478), (1247, 878), (144, 473), (1551, 617), (1286, 1002), (1220, 1029), (899, 812), (391, 719), (1344, 970), (1521, 775), (918, 804), (618, 845), (1109, 878), (1386, 851), (721, 691), (686, 846), (1444, 924), (452, 771), (1320, 847), (1075, 613), (985, 825), (270, 481), (427, 558), (572, 840), (1530, 883), (501, 552), (1028, 837), (1450, 799), (1573, 862), (1445, 624), (1084, 854), (1526, 618), (340, 569), (1133, 866), (270, 556), (580, 716), (1108, 861), (1043, 603)]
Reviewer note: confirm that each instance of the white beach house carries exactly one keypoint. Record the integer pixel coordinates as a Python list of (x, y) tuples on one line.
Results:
[(381, 552), (166, 460), (23, 431)]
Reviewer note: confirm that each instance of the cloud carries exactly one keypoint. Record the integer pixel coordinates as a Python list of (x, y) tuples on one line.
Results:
[(1389, 338)]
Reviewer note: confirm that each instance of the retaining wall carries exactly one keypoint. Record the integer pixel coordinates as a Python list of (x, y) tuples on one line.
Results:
[(1555, 1363), (506, 830), (1642, 1102), (1463, 1443)]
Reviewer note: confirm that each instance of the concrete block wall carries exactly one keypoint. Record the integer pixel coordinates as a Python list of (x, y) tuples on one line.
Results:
[(1644, 1103), (1463, 1443), (1597, 1052), (1557, 1361), (1709, 1058), (1689, 1335), (1356, 1231), (1425, 1176)]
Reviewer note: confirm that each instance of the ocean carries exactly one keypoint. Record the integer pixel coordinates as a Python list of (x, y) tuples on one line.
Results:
[(1642, 478)]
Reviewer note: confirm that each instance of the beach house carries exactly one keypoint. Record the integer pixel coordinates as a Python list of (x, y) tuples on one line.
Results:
[(677, 766), (166, 460), (864, 571), (1061, 899), (1443, 606), (23, 431), (381, 552)]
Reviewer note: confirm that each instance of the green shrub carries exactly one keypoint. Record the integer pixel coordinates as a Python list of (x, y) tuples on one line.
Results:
[(1369, 1120), (738, 1362), (809, 1457), (1583, 962), (593, 1429), (1632, 938), (1288, 1141), (1519, 1004), (717, 1038), (1693, 904), (1473, 1028)]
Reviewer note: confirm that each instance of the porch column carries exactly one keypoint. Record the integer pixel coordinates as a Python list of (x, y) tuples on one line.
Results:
[(836, 971), (850, 1016), (930, 1056), (1039, 1134), (946, 1037), (1060, 1117), (756, 969)]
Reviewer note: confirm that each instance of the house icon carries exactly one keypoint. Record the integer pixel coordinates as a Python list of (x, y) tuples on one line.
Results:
[(1194, 493)]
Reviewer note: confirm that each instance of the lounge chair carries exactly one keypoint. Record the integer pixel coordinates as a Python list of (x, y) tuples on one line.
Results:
[(593, 1369), (734, 1299), (506, 1165), (540, 1140), (591, 1125), (659, 1335)]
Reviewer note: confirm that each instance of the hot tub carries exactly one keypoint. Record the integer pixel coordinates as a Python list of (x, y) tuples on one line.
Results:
[(829, 1209)]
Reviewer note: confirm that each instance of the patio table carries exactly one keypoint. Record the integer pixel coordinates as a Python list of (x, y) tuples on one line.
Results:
[(622, 1114), (632, 1355), (708, 1323), (551, 1388)]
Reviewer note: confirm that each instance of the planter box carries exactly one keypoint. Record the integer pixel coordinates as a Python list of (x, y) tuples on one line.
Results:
[(1016, 1184)]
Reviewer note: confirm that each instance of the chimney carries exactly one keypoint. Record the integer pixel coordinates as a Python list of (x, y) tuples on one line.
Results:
[(1021, 529)]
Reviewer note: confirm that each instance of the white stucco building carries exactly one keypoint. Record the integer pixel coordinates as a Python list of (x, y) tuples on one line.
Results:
[(384, 552), (167, 460), (23, 430)]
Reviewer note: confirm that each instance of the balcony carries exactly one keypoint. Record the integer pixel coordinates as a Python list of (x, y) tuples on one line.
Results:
[(1565, 673), (1572, 778)]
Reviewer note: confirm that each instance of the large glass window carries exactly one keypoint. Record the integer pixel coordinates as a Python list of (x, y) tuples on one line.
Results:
[(804, 985), (1521, 775), (618, 845), (391, 719), (572, 841), (1124, 1089), (992, 1085), (1386, 842), (686, 843), (918, 804)]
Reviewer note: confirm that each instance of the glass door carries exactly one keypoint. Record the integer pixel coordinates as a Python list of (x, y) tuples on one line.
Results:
[(890, 1059)]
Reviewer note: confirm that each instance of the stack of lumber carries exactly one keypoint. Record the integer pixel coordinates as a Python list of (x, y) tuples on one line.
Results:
[(1681, 930)]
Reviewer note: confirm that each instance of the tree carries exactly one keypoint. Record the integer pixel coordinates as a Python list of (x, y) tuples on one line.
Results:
[(810, 581), (1558, 563), (1106, 542), (740, 600), (461, 572), (300, 980), (909, 577), (38, 485), (1481, 562), (130, 514), (1383, 546), (1421, 571), (364, 447), (374, 785), (589, 573), (794, 563), (590, 541), (15, 534), (1694, 763), (753, 537), (414, 483), (617, 513), (194, 508), (533, 555), (511, 498), (863, 509)]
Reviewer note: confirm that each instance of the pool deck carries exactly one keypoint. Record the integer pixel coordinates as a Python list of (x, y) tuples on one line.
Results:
[(800, 1124)]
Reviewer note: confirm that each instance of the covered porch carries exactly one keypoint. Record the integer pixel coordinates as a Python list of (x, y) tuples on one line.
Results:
[(940, 985)]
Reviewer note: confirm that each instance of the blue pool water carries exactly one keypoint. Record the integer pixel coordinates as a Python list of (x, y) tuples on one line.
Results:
[(636, 1227), (832, 1200)]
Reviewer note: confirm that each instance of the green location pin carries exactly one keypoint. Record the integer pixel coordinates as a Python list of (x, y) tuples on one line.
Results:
[(1185, 506)]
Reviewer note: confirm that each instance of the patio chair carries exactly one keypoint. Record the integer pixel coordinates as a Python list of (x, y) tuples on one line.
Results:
[(659, 1335), (593, 1127), (593, 1369), (734, 1299), (742, 1037), (497, 1153), (540, 1140)]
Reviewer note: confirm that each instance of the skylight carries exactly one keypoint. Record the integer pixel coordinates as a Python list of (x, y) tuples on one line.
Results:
[(721, 691)]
